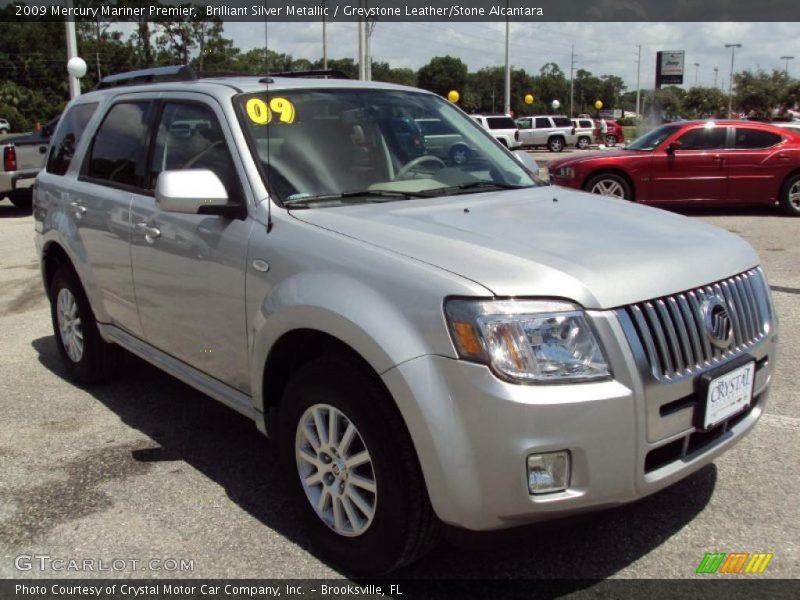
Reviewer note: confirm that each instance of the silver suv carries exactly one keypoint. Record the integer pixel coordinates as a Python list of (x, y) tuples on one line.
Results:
[(553, 132), (427, 342)]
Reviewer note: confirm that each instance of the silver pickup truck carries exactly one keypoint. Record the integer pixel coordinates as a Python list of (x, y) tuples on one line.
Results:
[(23, 157), (427, 342)]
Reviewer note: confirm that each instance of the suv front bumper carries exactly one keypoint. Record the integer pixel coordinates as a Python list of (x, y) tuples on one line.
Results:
[(473, 434)]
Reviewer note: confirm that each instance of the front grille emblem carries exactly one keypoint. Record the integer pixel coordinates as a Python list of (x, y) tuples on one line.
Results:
[(717, 322)]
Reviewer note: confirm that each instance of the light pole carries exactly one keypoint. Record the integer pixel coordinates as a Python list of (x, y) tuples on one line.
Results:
[(733, 48), (696, 68), (787, 59), (716, 72)]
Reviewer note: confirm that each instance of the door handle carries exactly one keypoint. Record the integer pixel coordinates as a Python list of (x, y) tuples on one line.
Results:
[(150, 233), (77, 209)]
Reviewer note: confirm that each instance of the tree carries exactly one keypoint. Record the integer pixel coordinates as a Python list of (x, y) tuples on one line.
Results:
[(442, 74), (550, 84), (702, 102), (382, 71), (759, 93)]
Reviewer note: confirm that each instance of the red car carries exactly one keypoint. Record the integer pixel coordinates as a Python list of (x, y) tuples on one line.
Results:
[(713, 162), (614, 133)]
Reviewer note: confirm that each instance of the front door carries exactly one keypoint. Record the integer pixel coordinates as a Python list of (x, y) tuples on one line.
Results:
[(189, 269), (694, 171), (757, 165)]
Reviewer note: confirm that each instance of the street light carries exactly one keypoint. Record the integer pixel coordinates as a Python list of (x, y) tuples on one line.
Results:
[(716, 72), (730, 82), (696, 67), (787, 59)]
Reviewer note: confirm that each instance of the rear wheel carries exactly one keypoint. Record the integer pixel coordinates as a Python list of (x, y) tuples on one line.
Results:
[(583, 143), (609, 184), (790, 196), (22, 199), (611, 140), (86, 355), (353, 469), (555, 144), (459, 154)]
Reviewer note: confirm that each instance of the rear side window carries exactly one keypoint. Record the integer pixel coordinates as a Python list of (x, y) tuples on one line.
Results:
[(501, 123), (704, 138), (562, 122), (524, 123), (755, 138), (587, 124), (118, 149), (62, 148), (542, 123)]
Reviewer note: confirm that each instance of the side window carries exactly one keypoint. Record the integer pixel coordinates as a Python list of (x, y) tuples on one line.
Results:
[(755, 138), (117, 151), (704, 138), (524, 123), (190, 137), (562, 122), (62, 148), (587, 124), (542, 123)]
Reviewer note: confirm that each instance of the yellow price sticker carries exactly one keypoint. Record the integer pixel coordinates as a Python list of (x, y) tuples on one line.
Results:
[(261, 114)]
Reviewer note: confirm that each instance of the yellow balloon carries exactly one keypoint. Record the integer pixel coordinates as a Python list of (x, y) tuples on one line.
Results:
[(528, 98), (598, 105), (453, 96)]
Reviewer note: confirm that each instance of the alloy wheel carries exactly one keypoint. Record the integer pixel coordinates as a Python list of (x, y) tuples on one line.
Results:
[(69, 325), (608, 187), (336, 470)]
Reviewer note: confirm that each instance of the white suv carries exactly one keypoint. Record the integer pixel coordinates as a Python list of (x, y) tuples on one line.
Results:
[(555, 132), (5, 126), (502, 128), (584, 131)]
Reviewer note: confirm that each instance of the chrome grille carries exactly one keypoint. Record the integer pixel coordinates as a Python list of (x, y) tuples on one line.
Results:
[(672, 332)]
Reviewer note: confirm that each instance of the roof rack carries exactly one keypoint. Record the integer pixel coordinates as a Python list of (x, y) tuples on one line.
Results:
[(172, 73), (311, 73)]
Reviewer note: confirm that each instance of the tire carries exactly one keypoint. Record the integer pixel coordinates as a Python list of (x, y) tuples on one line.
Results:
[(583, 143), (611, 140), (460, 154), (790, 196), (555, 144), (86, 355), (614, 185), (402, 526), (22, 199)]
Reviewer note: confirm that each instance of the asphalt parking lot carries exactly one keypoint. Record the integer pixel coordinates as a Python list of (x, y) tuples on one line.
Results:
[(147, 468)]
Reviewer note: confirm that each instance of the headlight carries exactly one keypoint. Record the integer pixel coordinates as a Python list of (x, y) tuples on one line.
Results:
[(536, 341), (565, 173)]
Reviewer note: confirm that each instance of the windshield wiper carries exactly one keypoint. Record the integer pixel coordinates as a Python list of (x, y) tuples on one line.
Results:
[(476, 186), (358, 194)]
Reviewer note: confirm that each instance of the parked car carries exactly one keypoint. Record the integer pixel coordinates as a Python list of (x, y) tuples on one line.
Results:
[(23, 157), (790, 125), (502, 128), (555, 132), (614, 133), (5, 126), (714, 163), (426, 342), (584, 132), (444, 141)]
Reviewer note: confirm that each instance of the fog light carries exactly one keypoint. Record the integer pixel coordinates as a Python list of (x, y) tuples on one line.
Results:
[(549, 472)]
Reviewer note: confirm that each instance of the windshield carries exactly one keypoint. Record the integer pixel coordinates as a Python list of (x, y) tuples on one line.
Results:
[(331, 146), (651, 139)]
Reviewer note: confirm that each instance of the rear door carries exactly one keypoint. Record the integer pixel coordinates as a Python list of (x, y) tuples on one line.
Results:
[(694, 172), (757, 165), (189, 269), (542, 127)]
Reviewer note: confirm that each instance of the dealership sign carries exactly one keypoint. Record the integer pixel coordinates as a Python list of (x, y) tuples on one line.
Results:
[(669, 67)]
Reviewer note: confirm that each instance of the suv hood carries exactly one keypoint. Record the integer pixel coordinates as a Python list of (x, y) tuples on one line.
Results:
[(549, 241)]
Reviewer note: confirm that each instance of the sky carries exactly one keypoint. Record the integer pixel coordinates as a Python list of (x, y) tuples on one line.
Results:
[(602, 48)]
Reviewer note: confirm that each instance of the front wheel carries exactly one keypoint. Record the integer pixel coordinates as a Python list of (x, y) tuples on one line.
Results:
[(354, 469), (790, 196), (583, 143), (86, 355), (609, 184), (611, 140), (459, 155)]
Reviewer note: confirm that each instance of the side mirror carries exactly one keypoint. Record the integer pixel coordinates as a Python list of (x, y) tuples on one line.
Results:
[(674, 146), (193, 191), (527, 161)]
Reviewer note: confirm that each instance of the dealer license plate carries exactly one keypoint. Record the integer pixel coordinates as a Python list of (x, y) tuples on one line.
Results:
[(728, 394)]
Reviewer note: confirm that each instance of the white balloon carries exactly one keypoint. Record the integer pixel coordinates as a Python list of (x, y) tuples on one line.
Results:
[(76, 67), (556, 104)]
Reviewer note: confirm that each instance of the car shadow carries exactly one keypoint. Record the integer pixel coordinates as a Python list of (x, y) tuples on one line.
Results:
[(9, 211), (728, 211), (185, 425)]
